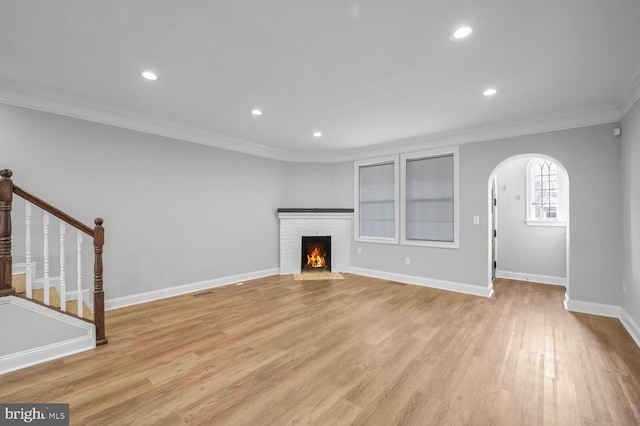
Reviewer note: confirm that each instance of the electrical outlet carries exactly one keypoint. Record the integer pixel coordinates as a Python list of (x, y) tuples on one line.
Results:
[(407, 261)]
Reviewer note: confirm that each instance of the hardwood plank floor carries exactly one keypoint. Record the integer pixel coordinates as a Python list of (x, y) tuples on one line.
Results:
[(355, 351)]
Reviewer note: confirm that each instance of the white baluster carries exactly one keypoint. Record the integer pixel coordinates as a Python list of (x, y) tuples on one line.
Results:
[(63, 282), (79, 241), (27, 221), (45, 222)]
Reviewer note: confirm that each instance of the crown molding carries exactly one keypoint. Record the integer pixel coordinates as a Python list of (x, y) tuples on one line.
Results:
[(56, 103), (630, 92), (565, 120)]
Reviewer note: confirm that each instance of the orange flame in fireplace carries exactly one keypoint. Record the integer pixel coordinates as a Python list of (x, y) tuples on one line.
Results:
[(315, 259)]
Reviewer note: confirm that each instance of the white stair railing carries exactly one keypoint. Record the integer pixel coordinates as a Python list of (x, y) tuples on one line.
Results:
[(63, 275), (49, 281), (28, 272), (79, 241), (45, 224)]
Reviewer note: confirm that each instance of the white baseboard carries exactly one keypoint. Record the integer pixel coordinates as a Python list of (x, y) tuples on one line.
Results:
[(134, 299), (21, 268), (601, 309), (543, 279), (632, 327), (425, 282), (39, 354)]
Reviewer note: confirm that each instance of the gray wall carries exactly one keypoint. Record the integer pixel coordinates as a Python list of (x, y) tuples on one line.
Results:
[(175, 212), (592, 157), (631, 211), (178, 213), (539, 250), (318, 185)]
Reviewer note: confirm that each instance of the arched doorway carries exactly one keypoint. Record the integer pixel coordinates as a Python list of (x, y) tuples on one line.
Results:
[(529, 199)]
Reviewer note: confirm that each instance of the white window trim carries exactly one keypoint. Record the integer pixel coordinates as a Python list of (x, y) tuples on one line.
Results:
[(396, 173), (548, 222), (455, 244), (530, 219)]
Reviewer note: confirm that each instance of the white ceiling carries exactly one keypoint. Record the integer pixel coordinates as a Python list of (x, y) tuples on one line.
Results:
[(372, 75)]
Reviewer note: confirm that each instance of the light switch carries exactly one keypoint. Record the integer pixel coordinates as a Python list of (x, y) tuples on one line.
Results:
[(476, 220)]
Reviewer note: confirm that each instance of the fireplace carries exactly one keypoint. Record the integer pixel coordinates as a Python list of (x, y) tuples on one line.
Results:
[(298, 222), (316, 253)]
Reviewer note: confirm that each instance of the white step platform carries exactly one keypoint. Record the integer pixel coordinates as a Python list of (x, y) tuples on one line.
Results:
[(32, 334)]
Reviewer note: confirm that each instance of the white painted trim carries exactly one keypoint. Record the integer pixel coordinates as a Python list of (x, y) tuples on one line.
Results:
[(50, 352), (135, 299), (592, 308), (73, 294), (599, 114), (603, 310), (535, 222), (542, 279), (357, 165), (455, 152), (43, 354), (53, 282), (70, 106), (21, 268), (567, 282), (425, 282), (57, 103), (563, 192), (631, 326), (630, 92)]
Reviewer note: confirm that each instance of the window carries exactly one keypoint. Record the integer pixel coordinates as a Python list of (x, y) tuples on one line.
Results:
[(429, 194), (411, 198), (546, 193), (376, 188)]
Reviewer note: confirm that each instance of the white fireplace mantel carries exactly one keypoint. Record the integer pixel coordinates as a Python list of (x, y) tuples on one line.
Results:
[(296, 223)]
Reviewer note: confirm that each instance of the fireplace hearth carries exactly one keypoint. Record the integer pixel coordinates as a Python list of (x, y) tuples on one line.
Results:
[(316, 253)]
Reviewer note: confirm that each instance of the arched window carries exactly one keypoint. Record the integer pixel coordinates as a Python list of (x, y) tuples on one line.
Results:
[(546, 193)]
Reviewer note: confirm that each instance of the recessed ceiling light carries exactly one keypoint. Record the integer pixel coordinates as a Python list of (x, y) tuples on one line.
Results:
[(317, 134), (256, 112), (461, 33), (150, 75), (490, 92)]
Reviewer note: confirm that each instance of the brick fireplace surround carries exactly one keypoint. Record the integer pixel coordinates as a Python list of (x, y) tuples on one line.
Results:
[(296, 223)]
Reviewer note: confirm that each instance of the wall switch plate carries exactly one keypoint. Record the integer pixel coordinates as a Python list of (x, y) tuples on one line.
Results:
[(359, 250), (476, 220)]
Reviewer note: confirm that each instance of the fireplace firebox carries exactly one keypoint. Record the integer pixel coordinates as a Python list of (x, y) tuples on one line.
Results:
[(316, 253)]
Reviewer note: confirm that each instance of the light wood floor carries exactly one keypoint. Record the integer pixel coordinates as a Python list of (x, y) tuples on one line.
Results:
[(356, 351)]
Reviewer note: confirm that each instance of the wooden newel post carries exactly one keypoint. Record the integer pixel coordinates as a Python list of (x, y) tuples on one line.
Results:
[(98, 291), (6, 197)]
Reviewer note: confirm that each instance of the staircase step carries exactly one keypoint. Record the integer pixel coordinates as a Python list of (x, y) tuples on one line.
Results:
[(54, 297), (54, 301), (72, 308), (19, 282)]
